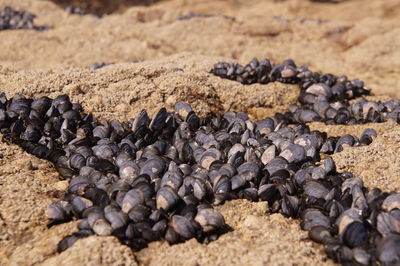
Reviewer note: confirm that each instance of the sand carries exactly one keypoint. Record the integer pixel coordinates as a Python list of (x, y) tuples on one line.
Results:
[(154, 59)]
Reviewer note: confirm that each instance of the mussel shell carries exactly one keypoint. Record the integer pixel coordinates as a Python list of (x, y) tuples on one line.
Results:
[(183, 227), (355, 235), (209, 220), (313, 217), (139, 213), (166, 198), (115, 217), (389, 250), (132, 198), (158, 122)]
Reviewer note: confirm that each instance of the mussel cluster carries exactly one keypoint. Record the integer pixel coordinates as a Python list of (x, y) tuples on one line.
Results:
[(191, 15), (11, 19), (100, 8), (76, 10), (96, 65), (323, 97), (158, 178)]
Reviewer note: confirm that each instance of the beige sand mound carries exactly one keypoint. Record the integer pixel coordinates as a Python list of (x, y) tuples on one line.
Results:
[(120, 91), (328, 37)]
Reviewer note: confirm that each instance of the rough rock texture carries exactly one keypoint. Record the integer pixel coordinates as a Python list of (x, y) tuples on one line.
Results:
[(122, 90), (27, 186), (328, 37), (177, 55), (377, 164), (97, 251)]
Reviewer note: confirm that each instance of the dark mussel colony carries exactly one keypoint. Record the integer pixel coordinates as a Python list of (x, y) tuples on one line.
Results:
[(322, 98), (76, 10), (11, 19), (158, 178), (100, 8)]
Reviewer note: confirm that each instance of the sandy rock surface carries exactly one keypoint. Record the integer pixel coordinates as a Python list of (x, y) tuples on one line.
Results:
[(378, 163), (156, 59), (327, 37), (120, 91)]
